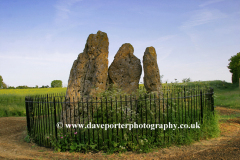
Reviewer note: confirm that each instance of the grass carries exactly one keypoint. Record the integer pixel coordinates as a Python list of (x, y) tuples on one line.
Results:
[(231, 116), (228, 97), (225, 94), (12, 101)]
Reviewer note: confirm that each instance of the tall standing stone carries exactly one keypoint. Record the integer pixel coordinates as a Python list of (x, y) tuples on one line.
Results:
[(125, 70), (88, 75), (151, 72)]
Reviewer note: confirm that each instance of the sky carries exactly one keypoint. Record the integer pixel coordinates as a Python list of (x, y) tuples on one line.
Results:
[(40, 39)]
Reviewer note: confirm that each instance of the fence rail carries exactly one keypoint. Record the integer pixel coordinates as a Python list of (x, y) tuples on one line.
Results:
[(179, 105)]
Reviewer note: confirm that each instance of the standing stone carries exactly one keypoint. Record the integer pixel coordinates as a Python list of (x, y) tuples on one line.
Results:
[(125, 70), (151, 72), (88, 75)]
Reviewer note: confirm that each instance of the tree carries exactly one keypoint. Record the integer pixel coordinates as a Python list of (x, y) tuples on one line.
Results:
[(1, 82), (56, 84), (4, 86), (234, 66), (161, 77), (185, 80), (11, 87), (22, 87), (44, 86)]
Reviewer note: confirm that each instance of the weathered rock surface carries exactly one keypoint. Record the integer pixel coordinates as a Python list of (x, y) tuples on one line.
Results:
[(125, 70), (88, 75), (151, 72)]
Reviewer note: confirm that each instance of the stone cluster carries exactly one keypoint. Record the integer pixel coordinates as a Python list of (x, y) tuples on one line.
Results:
[(90, 74)]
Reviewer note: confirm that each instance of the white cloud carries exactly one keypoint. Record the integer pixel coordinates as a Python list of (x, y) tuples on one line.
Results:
[(195, 38), (201, 17), (165, 53), (210, 2), (155, 42), (163, 39), (160, 44), (63, 9)]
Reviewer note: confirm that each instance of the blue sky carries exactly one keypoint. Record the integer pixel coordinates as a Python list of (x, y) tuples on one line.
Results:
[(39, 40)]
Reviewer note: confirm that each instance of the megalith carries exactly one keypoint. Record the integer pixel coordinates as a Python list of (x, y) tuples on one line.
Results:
[(125, 70), (151, 72), (88, 75)]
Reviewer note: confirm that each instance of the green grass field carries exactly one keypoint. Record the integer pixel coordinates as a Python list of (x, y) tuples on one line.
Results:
[(225, 94), (12, 100), (228, 97)]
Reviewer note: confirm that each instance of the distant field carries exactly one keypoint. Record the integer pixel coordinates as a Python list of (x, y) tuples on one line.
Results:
[(33, 91), (12, 100)]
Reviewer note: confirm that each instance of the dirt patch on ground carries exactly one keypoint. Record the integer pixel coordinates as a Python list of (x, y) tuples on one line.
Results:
[(227, 111), (227, 146)]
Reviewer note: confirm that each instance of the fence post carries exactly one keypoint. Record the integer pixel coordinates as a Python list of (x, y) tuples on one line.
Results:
[(184, 94), (212, 100), (27, 114), (55, 117), (31, 113), (137, 111), (201, 106)]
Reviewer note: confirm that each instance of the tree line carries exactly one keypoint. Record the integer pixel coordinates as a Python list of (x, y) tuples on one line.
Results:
[(54, 84)]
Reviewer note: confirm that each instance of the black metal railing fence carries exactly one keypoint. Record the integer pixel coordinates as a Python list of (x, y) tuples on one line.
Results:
[(176, 105)]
